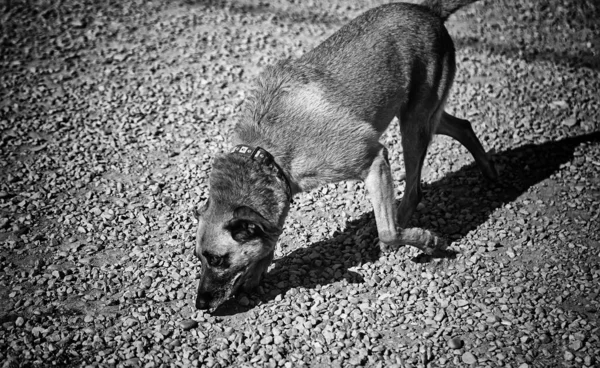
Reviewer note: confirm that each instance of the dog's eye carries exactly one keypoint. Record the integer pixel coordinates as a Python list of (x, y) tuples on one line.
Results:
[(214, 260)]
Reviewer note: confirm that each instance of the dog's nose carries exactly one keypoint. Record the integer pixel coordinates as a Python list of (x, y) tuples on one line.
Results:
[(203, 300)]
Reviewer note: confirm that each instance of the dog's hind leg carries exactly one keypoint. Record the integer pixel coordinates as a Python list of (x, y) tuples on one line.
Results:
[(380, 187), (461, 130)]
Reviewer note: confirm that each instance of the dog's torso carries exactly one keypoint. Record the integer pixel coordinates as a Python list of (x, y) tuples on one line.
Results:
[(322, 115)]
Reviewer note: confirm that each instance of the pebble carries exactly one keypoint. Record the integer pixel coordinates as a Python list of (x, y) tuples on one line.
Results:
[(569, 356), (188, 324), (440, 315), (455, 343), (469, 358), (244, 301), (462, 303), (576, 345), (20, 321), (545, 338)]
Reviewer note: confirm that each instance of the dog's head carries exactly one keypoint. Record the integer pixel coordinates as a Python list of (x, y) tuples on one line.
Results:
[(236, 242), (233, 250)]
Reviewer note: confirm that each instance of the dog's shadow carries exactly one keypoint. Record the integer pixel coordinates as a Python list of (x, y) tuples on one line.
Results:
[(459, 193)]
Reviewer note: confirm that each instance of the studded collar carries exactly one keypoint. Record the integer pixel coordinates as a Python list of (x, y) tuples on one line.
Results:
[(263, 157)]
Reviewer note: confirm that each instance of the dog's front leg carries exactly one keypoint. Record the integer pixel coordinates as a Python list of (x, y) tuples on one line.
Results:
[(380, 187)]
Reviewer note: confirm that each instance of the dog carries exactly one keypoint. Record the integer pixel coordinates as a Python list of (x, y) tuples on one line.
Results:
[(317, 120)]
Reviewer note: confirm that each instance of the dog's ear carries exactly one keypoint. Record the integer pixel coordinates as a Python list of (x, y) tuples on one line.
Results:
[(247, 224)]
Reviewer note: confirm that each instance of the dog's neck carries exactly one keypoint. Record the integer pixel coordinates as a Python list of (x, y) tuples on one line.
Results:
[(249, 135), (239, 181), (263, 157)]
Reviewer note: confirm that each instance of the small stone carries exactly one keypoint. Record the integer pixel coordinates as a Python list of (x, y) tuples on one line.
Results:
[(493, 319), (569, 356), (455, 343), (10, 363), (587, 360), (439, 316), (545, 338), (244, 301), (188, 324), (569, 122), (20, 321), (469, 358), (576, 345), (147, 282)]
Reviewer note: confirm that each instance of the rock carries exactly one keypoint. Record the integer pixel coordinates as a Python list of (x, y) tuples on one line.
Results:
[(147, 282), (576, 345), (461, 303), (10, 363), (20, 321), (455, 343), (4, 222), (569, 356), (545, 338), (188, 324), (469, 358), (569, 122), (440, 315)]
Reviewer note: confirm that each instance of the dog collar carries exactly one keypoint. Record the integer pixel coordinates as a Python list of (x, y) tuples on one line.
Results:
[(263, 157)]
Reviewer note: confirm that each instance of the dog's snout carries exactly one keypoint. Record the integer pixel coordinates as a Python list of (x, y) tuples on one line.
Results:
[(203, 300)]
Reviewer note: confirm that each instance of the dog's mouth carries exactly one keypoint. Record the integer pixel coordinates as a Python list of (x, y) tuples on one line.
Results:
[(238, 279), (229, 289)]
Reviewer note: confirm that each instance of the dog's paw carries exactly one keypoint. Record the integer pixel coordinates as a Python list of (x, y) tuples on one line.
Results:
[(427, 241), (388, 247), (434, 243)]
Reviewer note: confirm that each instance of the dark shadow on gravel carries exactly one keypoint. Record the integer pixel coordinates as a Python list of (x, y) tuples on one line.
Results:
[(459, 193)]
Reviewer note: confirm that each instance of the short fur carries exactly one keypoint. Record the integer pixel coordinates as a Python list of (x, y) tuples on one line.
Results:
[(321, 117)]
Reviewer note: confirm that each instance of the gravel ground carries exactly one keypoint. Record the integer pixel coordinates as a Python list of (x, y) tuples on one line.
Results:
[(110, 112)]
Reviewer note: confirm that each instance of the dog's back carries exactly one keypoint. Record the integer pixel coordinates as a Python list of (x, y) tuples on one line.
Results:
[(381, 55), (391, 59)]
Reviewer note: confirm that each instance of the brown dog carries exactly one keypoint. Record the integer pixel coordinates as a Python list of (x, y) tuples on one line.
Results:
[(318, 120)]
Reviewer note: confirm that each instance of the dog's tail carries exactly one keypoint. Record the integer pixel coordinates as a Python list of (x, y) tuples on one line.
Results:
[(445, 8)]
